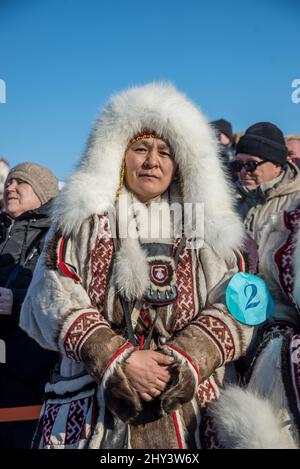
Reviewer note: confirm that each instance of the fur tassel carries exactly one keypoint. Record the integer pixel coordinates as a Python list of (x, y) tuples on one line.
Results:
[(131, 269), (246, 421)]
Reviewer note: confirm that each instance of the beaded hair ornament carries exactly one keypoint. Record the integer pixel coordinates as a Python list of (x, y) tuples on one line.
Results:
[(145, 133)]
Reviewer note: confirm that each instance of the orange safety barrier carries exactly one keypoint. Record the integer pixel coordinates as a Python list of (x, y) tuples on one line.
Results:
[(18, 414)]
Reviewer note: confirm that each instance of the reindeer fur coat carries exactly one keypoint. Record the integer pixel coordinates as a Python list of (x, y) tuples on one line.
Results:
[(74, 302)]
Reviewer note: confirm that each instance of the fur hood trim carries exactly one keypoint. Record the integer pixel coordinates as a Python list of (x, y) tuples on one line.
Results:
[(163, 109), (246, 421)]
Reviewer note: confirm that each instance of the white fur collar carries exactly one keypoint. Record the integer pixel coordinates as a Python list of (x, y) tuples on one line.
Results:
[(138, 223), (160, 107)]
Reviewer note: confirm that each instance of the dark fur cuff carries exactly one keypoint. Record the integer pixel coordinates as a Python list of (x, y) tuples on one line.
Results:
[(180, 389), (121, 399), (98, 351)]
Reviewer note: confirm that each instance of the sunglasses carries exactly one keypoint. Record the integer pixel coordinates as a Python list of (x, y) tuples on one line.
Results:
[(250, 165)]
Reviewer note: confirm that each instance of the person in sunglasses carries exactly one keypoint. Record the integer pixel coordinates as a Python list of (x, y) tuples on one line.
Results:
[(267, 183), (272, 367), (270, 205)]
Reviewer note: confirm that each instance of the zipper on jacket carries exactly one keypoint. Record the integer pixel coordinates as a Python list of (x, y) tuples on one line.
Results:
[(8, 235)]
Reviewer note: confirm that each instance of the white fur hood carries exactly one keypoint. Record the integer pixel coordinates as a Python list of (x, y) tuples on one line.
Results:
[(159, 107)]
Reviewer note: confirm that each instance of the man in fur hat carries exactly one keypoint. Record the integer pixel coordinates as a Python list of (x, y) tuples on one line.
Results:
[(133, 300)]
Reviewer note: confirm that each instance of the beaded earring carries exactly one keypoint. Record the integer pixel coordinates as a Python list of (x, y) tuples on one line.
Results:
[(181, 185), (122, 175)]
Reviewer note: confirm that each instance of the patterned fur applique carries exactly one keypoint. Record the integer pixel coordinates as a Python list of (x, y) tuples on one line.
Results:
[(101, 258), (79, 331), (75, 425), (284, 255), (207, 391), (49, 418), (219, 332), (185, 288), (67, 422)]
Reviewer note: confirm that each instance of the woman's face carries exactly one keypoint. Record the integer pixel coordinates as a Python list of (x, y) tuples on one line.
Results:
[(19, 197), (149, 168)]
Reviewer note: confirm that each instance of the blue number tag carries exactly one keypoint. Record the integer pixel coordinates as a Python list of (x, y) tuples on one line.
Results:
[(248, 299)]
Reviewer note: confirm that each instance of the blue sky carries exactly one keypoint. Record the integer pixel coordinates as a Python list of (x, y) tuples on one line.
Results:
[(62, 59)]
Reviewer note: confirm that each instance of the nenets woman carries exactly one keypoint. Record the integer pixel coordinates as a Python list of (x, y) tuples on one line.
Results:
[(131, 286)]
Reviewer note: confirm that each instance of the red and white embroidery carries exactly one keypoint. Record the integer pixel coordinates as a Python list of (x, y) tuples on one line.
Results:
[(76, 420), (284, 255), (100, 263), (79, 331), (220, 334), (81, 324), (185, 288), (49, 418), (207, 391)]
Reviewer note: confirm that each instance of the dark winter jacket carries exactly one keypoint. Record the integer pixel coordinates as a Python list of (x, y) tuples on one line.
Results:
[(27, 366)]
